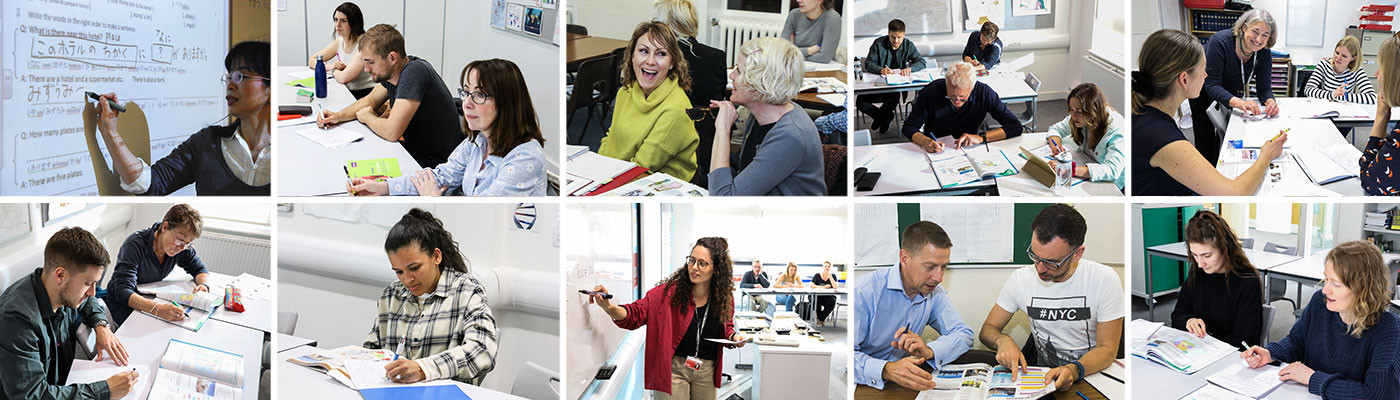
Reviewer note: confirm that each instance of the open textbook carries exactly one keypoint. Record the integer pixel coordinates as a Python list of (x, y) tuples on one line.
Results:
[(982, 381), (953, 167), (198, 306), (190, 372), (334, 362), (1181, 351)]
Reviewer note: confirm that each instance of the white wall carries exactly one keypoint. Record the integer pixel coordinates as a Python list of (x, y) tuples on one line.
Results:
[(1150, 15), (338, 311), (617, 19)]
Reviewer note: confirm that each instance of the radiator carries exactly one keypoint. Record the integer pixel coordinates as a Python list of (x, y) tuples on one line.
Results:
[(1108, 76), (733, 32), (234, 255)]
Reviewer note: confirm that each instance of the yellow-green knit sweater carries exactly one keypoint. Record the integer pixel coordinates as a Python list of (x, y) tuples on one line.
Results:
[(653, 131)]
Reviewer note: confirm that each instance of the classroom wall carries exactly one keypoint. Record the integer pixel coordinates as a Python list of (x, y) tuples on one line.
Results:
[(338, 311), (618, 18)]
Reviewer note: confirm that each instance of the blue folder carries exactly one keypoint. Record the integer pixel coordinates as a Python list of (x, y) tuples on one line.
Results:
[(439, 392)]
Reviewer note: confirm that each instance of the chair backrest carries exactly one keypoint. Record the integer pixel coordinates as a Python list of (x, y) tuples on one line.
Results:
[(1280, 249), (615, 75), (287, 322), (536, 383), (576, 29), (1247, 243), (1033, 82), (861, 138), (592, 76), (1268, 322)]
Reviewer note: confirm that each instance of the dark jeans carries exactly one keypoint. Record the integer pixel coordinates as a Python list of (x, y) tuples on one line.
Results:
[(824, 306)]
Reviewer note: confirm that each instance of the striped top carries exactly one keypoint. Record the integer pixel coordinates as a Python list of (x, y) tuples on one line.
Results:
[(450, 332), (1324, 80)]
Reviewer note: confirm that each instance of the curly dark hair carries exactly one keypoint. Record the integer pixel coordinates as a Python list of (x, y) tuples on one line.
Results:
[(721, 283)]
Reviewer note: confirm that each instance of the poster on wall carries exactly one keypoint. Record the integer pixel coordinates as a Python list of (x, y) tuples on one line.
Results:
[(1030, 7), (533, 17), (979, 11), (514, 16), (498, 14), (550, 4)]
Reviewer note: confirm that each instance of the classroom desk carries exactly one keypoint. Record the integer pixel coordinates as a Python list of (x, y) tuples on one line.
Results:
[(1152, 380), (904, 171), (809, 294), (810, 101), (305, 168), (582, 48), (288, 342), (146, 338), (1294, 176), (1010, 88), (1353, 122), (779, 367), (895, 391), (257, 314), (1262, 260), (1306, 270), (307, 383)]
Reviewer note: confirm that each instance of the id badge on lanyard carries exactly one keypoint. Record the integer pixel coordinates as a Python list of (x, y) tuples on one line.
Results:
[(693, 361)]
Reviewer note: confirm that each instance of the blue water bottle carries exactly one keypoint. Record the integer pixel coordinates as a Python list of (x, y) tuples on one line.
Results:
[(320, 77)]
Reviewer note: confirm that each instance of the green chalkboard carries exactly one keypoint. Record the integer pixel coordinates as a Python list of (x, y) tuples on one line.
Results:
[(1024, 214)]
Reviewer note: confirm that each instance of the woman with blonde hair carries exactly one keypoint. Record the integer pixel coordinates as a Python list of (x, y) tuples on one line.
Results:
[(788, 279), (1172, 68), (1378, 161), (1097, 133), (649, 125), (782, 151), (1345, 345), (1341, 78)]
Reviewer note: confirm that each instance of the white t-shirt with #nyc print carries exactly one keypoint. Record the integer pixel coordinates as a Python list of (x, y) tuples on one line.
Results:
[(1064, 316)]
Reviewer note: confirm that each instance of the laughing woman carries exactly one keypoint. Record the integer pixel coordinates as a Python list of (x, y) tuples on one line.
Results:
[(649, 124), (435, 316), (503, 154), (232, 160), (695, 303)]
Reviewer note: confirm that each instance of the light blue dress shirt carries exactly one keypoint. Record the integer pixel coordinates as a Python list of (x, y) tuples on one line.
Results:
[(882, 307), (519, 173)]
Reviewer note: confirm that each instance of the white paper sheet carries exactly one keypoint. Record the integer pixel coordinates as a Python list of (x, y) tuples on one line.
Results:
[(1252, 382), (334, 137), (84, 371)]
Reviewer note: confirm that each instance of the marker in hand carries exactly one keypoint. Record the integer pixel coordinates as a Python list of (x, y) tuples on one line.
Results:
[(116, 107), (600, 294)]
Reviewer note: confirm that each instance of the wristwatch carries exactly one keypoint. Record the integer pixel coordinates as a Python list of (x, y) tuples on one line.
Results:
[(101, 323)]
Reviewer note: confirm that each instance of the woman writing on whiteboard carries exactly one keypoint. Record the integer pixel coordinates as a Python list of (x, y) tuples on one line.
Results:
[(342, 55), (681, 313), (435, 317), (503, 154), (1345, 345), (231, 160), (1378, 161)]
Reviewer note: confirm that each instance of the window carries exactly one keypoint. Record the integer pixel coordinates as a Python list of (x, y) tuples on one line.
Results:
[(1320, 228), (763, 6), (51, 213), (258, 215)]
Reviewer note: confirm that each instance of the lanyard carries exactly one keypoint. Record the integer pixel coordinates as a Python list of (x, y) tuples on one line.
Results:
[(1244, 84), (699, 332)]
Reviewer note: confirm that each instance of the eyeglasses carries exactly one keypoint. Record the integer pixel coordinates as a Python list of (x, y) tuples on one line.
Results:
[(1258, 32), (957, 99), (181, 243), (699, 113), (238, 77), (1051, 265), (689, 261), (477, 97)]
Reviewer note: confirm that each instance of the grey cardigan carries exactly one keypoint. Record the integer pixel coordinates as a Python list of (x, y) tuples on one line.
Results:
[(824, 31), (788, 162)]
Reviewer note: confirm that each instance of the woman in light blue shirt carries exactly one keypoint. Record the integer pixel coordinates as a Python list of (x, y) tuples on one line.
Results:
[(1091, 126), (504, 156)]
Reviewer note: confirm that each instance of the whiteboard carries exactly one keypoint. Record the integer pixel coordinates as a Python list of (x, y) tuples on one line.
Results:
[(920, 16), (1303, 16), (877, 234), (14, 221), (592, 337), (167, 57), (981, 233)]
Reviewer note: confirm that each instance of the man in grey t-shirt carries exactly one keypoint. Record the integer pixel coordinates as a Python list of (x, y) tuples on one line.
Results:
[(423, 114)]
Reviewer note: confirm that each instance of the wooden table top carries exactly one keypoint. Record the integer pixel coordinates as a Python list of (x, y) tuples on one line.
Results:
[(810, 100), (582, 48)]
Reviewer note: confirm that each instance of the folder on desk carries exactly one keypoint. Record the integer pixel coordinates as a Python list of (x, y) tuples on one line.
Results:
[(388, 167), (605, 172), (437, 392)]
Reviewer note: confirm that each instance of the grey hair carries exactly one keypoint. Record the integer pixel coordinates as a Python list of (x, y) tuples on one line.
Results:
[(1250, 18), (960, 75)]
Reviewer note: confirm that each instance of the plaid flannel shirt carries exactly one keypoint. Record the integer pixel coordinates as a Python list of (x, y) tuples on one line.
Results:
[(449, 332)]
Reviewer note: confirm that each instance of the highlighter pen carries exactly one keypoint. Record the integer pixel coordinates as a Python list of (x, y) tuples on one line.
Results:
[(1280, 134), (110, 103)]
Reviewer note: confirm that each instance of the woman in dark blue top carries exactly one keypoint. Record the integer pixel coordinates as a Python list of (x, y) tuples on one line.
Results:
[(1378, 163), (1173, 69), (232, 160), (149, 255), (1233, 57), (1345, 345), (956, 106)]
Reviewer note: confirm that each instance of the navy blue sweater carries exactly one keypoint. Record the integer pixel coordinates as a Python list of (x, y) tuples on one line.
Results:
[(936, 116), (989, 56), (1344, 367), (136, 264), (200, 160), (1225, 74)]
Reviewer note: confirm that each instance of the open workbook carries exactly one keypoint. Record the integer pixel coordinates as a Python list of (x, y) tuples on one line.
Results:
[(335, 362), (982, 381), (192, 372), (1181, 351), (954, 167), (198, 306)]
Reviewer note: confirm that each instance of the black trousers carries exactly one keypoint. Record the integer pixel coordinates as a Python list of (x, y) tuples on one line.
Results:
[(825, 304), (885, 111)]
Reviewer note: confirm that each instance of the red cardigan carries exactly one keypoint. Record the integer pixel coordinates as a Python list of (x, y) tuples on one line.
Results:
[(666, 328)]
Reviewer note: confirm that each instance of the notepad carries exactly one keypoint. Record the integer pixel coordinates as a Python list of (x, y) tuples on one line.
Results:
[(1252, 382), (331, 138), (84, 371), (835, 99), (377, 167), (1212, 392), (194, 317)]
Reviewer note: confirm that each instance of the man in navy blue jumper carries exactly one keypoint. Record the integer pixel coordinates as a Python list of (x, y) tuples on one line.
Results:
[(956, 106)]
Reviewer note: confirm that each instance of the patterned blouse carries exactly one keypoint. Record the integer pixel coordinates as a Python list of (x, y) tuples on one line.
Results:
[(1378, 165), (449, 332)]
